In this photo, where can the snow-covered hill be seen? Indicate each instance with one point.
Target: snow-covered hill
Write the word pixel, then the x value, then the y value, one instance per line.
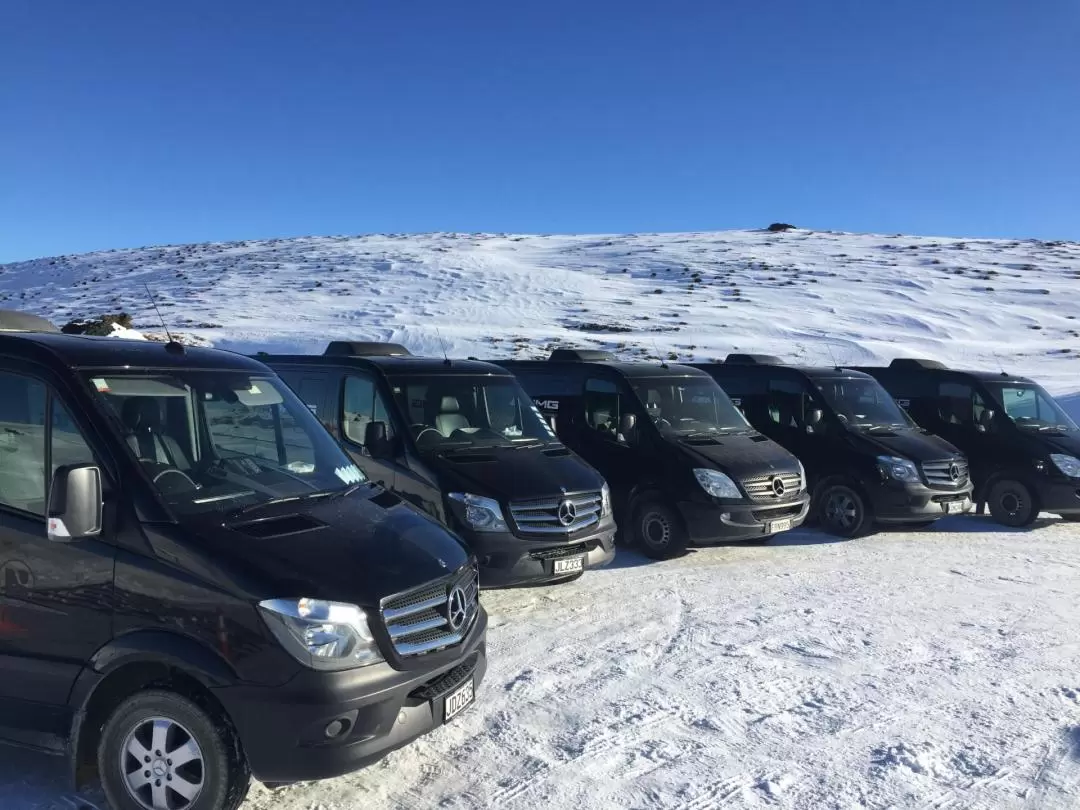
pixel 815 296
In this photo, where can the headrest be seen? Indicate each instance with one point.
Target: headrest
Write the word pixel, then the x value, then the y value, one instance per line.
pixel 141 413
pixel 449 405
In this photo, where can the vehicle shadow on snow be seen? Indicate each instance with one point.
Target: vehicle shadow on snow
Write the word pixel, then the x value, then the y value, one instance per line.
pixel 33 781
pixel 980 524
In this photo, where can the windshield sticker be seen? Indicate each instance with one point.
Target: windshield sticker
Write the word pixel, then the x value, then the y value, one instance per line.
pixel 350 474
pixel 101 385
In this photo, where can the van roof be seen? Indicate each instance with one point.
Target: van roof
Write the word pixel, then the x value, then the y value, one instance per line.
pixel 933 368
pixel 812 372
pixel 81 351
pixel 626 369
pixel 390 365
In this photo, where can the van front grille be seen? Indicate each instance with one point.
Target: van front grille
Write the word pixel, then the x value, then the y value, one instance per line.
pixel 949 473
pixel 563 514
pixel 433 616
pixel 770 488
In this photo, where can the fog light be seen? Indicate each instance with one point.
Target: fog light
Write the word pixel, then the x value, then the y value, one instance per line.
pixel 725 515
pixel 335 729
pixel 401 718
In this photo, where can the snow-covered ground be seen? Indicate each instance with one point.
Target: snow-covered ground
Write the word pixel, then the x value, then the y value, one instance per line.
pixel 935 669
pixel 805 295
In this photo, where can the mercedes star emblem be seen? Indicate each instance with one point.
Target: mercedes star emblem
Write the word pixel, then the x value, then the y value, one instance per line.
pixel 954 472
pixel 456 610
pixel 778 487
pixel 567 513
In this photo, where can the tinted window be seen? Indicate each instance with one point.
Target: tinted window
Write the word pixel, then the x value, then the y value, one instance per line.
pixel 687 406
pixel 786 402
pixel 22 443
pixel 363 405
pixel 959 403
pixel 548 383
pixel 68 444
pixel 862 402
pixel 602 406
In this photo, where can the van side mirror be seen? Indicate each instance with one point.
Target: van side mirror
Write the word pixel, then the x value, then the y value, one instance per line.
pixel 75 505
pixel 378 446
pixel 628 428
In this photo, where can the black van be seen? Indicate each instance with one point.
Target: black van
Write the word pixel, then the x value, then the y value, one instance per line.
pixel 683 464
pixel 460 440
pixel 197 586
pixel 1023 447
pixel 866 460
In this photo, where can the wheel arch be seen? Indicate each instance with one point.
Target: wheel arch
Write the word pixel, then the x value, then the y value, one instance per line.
pixel 132 663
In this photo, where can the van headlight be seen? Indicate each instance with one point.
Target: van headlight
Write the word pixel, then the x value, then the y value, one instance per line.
pixel 898 469
pixel 717 484
pixel 605 500
pixel 1069 465
pixel 320 634
pixel 802 476
pixel 477 512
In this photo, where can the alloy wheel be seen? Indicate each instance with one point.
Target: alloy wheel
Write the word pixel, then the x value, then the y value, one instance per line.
pixel 162 765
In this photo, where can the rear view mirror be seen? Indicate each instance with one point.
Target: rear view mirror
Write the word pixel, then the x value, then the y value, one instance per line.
pixel 376 442
pixel 75 506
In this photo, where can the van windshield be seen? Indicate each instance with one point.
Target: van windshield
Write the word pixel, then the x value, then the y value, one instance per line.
pixel 863 403
pixel 456 411
pixel 1030 407
pixel 685 406
pixel 221 441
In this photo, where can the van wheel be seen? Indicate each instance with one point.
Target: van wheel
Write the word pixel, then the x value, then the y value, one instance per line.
pixel 161 751
pixel 843 511
pixel 658 531
pixel 1011 504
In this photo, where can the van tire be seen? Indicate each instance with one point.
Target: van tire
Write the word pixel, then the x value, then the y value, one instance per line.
pixel 1012 504
pixel 218 768
pixel 842 510
pixel 658 530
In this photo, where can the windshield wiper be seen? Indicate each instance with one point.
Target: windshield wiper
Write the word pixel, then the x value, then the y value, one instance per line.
pixel 329 494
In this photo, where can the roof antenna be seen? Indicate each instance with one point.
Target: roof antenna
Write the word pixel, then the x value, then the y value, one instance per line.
pixel 442 343
pixel 832 356
pixel 659 356
pixel 172 346
pixel 1001 365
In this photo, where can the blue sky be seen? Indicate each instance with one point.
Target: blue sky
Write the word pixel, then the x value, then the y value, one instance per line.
pixel 128 122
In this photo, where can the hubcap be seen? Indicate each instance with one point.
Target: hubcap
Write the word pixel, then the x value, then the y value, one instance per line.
pixel 162 765
pixel 656 530
pixel 1012 503
pixel 841 510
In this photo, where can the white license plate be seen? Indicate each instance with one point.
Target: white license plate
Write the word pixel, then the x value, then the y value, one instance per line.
pixel 779 526
pixel 569 564
pixel 459 699
pixel 954 507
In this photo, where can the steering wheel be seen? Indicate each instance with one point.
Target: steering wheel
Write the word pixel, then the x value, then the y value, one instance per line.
pixel 174 471
pixel 842 418
pixel 420 429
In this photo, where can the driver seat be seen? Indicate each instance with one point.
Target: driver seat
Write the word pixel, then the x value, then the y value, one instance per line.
pixel 653 405
pixel 450 417
pixel 142 418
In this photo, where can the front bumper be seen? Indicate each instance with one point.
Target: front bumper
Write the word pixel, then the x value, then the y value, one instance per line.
pixel 725 523
pixel 506 559
pixel 283 729
pixel 1060 495
pixel 895 502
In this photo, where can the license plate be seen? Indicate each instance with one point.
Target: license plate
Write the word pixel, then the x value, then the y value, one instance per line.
pixel 459 699
pixel 954 507
pixel 569 565
pixel 779 526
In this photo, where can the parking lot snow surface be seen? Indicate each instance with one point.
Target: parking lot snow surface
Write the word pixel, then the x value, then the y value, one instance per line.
pixel 930 669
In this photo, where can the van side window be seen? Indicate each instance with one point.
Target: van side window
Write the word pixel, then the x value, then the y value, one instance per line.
pixel 22 443
pixel 960 404
pixel 363 405
pixel 68 444
pixel 786 402
pixel 602 406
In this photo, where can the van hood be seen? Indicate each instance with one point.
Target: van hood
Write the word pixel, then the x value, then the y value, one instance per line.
pixel 507 474
pixel 910 444
pixel 356 549
pixel 1067 444
pixel 740 456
